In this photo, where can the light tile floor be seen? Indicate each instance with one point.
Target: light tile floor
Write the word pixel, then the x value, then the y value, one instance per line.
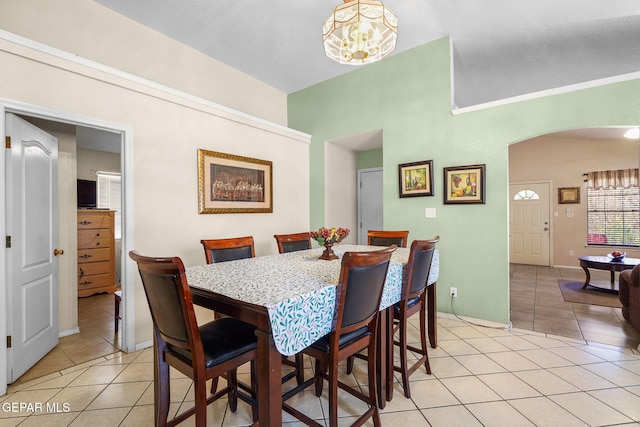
pixel 537 305
pixel 481 377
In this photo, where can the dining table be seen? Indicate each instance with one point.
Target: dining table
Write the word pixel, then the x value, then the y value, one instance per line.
pixel 290 298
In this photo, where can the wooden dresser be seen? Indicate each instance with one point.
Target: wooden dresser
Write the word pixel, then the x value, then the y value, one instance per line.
pixel 96 252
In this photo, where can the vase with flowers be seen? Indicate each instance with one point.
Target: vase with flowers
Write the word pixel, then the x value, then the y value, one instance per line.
pixel 328 237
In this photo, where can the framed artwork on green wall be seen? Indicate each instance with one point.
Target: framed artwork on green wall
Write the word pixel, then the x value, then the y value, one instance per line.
pixel 464 184
pixel 416 179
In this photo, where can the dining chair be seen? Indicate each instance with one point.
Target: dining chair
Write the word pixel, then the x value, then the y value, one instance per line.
pixel 358 294
pixel 293 242
pixel 220 250
pixel 199 352
pixel 387 238
pixel 414 300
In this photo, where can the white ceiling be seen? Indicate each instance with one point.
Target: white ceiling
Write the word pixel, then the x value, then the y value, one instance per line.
pixel 501 48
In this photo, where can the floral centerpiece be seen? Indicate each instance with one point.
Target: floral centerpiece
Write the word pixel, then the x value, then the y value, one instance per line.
pixel 328 237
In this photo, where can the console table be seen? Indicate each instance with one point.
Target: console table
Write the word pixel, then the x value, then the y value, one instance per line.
pixel 605 263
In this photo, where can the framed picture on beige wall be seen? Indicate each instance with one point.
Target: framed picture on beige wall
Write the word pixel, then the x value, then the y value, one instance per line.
pixel 568 195
pixel 233 184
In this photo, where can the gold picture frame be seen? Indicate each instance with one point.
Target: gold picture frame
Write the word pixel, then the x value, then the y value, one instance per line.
pixel 568 195
pixel 233 184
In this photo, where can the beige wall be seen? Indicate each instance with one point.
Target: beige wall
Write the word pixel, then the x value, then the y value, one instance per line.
pixel 92 161
pixel 90 30
pixel 167 130
pixel 563 161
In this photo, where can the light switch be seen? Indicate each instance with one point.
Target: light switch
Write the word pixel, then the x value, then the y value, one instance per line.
pixel 430 212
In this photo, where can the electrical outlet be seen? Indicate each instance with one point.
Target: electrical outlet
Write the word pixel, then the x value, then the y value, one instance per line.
pixel 453 292
pixel 570 253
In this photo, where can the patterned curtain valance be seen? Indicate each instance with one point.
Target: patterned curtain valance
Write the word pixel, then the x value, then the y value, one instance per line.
pixel 623 178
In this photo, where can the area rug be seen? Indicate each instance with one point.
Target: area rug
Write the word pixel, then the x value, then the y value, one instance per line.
pixel 572 292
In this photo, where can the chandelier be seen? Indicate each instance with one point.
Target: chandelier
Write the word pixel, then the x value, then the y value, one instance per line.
pixel 359 32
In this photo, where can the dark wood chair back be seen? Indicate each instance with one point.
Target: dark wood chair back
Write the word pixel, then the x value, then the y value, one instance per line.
pixel 387 238
pixel 178 342
pixel 221 250
pixel 362 279
pixel 293 242
pixel 355 320
pixel 418 267
pixel 169 299
pixel 360 286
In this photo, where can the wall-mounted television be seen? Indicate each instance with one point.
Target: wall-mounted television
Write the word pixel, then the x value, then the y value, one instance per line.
pixel 86 194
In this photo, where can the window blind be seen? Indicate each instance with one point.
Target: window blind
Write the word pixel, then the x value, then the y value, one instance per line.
pixel 613 216
pixel 109 197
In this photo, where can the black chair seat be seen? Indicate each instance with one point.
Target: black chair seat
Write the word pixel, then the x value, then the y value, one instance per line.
pixel 410 303
pixel 222 340
pixel 323 343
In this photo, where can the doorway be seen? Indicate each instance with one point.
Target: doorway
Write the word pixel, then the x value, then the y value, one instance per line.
pixel 370 202
pixel 123 141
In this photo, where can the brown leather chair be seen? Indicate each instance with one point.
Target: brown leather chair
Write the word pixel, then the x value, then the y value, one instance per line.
pixel 358 295
pixel 387 238
pixel 199 352
pixel 220 250
pixel 629 296
pixel 293 242
pixel 414 291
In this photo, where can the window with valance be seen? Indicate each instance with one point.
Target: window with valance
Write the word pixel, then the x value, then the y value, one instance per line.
pixel 613 208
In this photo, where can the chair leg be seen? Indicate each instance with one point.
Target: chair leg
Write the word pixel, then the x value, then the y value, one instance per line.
pixel 214 385
pixel 232 379
pixel 433 315
pixel 350 360
pixel 333 395
pixel 373 384
pixel 403 355
pixel 299 368
pixel 200 388
pixel 116 311
pixel 423 339
pixel 320 368
pixel 162 390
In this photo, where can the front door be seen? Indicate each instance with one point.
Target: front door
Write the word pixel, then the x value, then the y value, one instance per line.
pixel 32 268
pixel 529 227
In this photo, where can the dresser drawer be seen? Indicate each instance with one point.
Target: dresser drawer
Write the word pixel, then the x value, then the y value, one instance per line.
pixel 95 242
pixel 97 281
pixel 93 268
pixel 97 219
pixel 93 255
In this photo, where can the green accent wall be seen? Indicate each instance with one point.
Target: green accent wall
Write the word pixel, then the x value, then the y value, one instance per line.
pixel 369 159
pixel 407 96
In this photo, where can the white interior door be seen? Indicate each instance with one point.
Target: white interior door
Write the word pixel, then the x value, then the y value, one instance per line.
pixel 370 206
pixel 32 216
pixel 529 223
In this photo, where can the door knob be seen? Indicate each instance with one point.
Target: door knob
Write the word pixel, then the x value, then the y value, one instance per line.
pixel 57 252
pixel 546 229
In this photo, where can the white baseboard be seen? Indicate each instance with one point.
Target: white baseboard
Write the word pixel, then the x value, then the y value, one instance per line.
pixel 68 332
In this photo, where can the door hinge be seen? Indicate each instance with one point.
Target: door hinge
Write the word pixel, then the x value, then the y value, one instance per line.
pixel 8 242
pixel 7 142
pixel 8 341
